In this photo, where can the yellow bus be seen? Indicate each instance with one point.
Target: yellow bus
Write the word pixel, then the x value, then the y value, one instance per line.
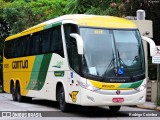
pixel 87 60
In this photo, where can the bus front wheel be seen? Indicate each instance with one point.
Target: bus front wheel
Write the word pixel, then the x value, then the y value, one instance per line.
pixel 114 108
pixel 64 107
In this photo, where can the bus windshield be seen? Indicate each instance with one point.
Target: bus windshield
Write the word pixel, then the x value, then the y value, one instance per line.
pixel 113 55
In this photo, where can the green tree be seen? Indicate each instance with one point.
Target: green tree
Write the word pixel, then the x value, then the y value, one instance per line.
pixel 21 15
pixel 3 34
pixel 99 7
pixel 4 29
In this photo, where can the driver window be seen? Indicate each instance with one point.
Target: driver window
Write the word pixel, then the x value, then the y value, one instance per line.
pixel 71 46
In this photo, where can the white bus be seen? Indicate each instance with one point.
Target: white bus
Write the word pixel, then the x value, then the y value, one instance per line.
pixel 86 60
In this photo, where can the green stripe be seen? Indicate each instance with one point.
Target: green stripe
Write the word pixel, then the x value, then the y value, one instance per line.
pixel 43 71
pixel 52 25
pixel 35 72
pixel 136 84
pixel 39 72
pixel 131 85
pixel 125 85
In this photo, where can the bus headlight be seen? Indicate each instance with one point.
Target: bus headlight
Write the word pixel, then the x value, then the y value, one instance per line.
pixel 89 87
pixel 141 88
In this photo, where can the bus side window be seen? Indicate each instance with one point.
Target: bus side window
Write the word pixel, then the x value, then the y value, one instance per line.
pixel 71 46
pixel 56 41
pixel 46 36
pixel 36 43
pixel 18 47
pixel 28 45
pixel 8 51
pixel 23 46
pixel 13 49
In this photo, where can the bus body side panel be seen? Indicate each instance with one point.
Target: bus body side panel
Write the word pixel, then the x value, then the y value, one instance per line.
pixel 58 72
pixel 17 69
pixel 55 72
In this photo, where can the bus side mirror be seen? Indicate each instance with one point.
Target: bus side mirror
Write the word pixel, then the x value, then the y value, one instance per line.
pixel 79 42
pixel 151 44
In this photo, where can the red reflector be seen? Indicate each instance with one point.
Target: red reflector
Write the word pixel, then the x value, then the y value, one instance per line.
pixel 118 100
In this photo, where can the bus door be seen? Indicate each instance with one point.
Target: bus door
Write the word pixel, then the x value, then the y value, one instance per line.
pixel 73 60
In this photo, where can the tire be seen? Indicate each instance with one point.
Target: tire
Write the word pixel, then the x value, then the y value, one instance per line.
pixel 13 92
pixel 20 98
pixel 64 107
pixel 114 108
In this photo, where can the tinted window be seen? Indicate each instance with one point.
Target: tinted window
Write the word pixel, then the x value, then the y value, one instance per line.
pixel 46 38
pixel 56 41
pixel 47 41
pixel 36 43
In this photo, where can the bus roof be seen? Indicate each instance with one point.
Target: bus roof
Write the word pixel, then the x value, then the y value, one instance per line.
pixel 81 20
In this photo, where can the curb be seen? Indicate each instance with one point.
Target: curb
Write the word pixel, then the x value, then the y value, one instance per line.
pixel 148 107
pixel 158 108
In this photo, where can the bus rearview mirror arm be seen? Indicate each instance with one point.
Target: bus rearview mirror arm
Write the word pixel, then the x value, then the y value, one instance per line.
pixel 79 42
pixel 151 44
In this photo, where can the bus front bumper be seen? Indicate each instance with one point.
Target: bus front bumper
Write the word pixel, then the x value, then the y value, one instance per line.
pixel 90 98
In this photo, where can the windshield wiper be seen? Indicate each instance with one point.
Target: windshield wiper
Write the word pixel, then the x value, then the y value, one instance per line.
pixel 112 63
pixel 109 66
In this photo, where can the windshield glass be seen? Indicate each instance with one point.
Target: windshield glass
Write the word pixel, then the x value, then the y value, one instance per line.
pixel 113 54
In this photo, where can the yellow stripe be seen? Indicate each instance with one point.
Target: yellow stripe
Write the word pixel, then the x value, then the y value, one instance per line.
pixel 101 21
pixel 106 22
pixel 107 86
pixel 28 31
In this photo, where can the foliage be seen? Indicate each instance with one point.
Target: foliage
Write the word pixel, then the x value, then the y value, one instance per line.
pixel 100 7
pixel 3 33
pixel 21 15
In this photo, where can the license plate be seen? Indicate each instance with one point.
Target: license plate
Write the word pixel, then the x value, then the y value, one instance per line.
pixel 118 100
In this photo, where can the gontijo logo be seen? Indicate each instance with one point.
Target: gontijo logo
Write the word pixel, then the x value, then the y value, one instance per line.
pixel 105 86
pixel 21 64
